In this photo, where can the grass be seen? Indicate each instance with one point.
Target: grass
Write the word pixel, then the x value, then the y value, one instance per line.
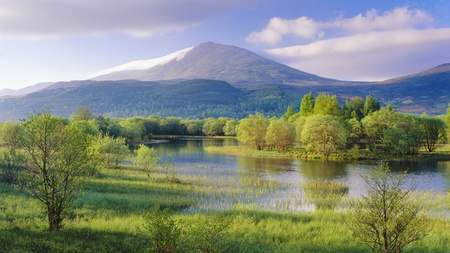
pixel 109 215
pixel 442 153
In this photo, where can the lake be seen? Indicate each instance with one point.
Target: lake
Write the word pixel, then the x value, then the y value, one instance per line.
pixel 284 177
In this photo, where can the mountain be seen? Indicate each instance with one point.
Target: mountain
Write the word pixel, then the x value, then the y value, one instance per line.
pixel 23 91
pixel 213 80
pixel 213 61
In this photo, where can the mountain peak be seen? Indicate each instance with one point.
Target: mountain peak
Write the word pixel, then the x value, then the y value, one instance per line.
pixel 210 60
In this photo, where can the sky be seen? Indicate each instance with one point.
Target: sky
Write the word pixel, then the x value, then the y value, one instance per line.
pixel 370 40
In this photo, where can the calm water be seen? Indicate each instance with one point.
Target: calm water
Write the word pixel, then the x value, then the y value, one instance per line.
pixel 291 173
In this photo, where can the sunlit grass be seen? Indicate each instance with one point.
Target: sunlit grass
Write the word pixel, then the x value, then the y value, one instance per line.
pixel 109 214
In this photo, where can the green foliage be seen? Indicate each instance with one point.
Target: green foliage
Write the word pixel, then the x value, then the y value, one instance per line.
pixel 252 130
pixel 354 109
pixel 323 134
pixel 386 219
pixel 109 152
pixel 327 105
pixel 377 122
pixel 433 130
pixel 82 113
pixel 147 158
pixel 57 161
pixel 210 235
pixel 280 134
pixel 370 105
pixel 307 105
pixel 447 121
pixel 230 127
pixel 289 112
pixel 11 158
pixel 214 127
pixel 163 230
pixel 396 141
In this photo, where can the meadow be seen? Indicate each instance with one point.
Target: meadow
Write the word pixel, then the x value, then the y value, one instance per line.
pixel 210 206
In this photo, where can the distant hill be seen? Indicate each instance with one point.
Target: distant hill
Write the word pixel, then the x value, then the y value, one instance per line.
pixel 213 80
pixel 23 91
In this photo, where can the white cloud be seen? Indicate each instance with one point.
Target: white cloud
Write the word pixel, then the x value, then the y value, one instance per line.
pixel 397 19
pixel 273 33
pixel 369 56
pixel 31 19
pixel 370 46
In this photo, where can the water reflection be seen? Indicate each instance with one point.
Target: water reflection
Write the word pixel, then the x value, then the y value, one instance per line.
pixel 423 175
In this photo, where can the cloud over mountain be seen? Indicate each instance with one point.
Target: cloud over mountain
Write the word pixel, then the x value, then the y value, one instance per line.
pixel 359 44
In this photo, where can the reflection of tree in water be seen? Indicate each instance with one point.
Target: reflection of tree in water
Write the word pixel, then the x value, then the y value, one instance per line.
pixel 322 169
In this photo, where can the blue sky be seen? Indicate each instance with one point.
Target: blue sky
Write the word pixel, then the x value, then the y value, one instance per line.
pixel 61 40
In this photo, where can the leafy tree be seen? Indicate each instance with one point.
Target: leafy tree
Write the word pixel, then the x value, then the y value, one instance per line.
pixel 327 105
pixel 307 105
pixel 109 152
pixel 447 121
pixel 230 127
pixel 11 158
pixel 147 158
pixel 289 112
pixel 370 105
pixel 323 134
pixel 114 130
pixel 214 127
pixel 354 109
pixel 386 219
pixel 395 140
pixel 280 134
pixel 252 130
pixel 432 129
pixel 355 131
pixel 193 127
pixel 56 165
pixel 377 122
pixel 82 113
pixel 299 124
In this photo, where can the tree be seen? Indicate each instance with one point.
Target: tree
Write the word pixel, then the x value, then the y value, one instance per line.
pixel 280 134
pixel 354 109
pixel 377 122
pixel 252 130
pixel 230 127
pixel 396 141
pixel 11 158
pixel 447 121
pixel 307 105
pixel 327 105
pixel 386 219
pixel 432 130
pixel 82 113
pixel 323 134
pixel 147 158
pixel 56 165
pixel 109 152
pixel 370 105
pixel 289 112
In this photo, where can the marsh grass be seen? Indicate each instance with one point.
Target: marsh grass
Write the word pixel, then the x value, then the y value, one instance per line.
pixel 109 215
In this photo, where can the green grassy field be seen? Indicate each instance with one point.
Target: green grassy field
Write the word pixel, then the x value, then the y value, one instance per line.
pixel 109 215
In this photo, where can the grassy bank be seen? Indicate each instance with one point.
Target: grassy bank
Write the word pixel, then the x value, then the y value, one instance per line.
pixel 441 154
pixel 110 213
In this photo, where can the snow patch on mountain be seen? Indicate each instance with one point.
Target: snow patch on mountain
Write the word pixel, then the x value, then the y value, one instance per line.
pixel 145 64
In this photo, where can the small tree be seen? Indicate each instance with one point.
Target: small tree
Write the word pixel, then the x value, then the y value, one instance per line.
pixel 307 105
pixel 386 220
pixel 163 230
pixel 280 134
pixel 147 158
pixel 323 134
pixel 57 163
pixel 109 152
pixel 252 130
